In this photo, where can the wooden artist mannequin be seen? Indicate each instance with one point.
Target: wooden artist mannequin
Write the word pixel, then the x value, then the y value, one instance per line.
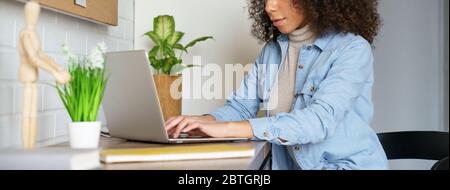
pixel 32 58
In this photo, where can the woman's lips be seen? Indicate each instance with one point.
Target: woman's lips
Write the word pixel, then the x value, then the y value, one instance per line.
pixel 278 22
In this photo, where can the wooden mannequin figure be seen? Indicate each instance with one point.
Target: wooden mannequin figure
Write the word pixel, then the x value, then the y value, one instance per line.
pixel 32 58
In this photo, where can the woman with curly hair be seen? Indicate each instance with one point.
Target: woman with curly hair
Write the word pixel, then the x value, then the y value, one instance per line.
pixel 313 78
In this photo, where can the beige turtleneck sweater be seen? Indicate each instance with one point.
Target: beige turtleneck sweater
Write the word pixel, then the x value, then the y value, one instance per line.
pixel 283 93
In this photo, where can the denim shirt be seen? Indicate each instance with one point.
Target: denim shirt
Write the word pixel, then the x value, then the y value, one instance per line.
pixel 329 125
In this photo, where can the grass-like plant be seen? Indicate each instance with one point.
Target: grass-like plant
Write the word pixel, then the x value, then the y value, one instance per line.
pixel 83 95
pixel 162 56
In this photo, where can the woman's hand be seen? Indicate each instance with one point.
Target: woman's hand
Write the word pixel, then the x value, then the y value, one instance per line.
pixel 183 121
pixel 203 129
pixel 207 127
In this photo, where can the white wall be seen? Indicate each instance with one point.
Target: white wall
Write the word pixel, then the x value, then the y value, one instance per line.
pixel 54 29
pixel 446 65
pixel 408 93
pixel 227 21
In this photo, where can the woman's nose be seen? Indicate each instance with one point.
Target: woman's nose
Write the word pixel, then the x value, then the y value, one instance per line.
pixel 271 5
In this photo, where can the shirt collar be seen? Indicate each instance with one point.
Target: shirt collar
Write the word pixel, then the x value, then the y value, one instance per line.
pixel 320 42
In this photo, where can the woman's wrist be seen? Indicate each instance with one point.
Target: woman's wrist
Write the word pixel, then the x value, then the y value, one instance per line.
pixel 209 117
pixel 241 129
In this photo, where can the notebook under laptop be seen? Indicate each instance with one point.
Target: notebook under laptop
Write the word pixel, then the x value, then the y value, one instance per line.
pixel 131 102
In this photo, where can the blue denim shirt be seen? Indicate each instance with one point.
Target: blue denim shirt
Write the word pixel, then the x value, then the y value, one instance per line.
pixel 329 126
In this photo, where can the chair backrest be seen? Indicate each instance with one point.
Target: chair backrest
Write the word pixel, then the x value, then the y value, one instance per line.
pixel 415 145
pixel 441 165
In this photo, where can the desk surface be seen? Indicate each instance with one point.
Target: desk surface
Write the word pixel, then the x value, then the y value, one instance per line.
pixel 262 150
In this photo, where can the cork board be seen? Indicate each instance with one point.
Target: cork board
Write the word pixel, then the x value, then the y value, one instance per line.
pixel 102 11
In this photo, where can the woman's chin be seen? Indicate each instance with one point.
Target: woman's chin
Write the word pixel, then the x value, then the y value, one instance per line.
pixel 284 30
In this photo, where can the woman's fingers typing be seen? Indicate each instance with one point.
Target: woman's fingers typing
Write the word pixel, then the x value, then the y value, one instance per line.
pixel 169 120
pixel 191 127
pixel 173 122
pixel 180 127
pixel 185 124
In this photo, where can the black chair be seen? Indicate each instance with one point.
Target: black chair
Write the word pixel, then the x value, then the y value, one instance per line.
pixel 417 145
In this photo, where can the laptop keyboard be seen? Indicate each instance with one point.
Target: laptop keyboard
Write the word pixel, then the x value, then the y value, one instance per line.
pixel 187 136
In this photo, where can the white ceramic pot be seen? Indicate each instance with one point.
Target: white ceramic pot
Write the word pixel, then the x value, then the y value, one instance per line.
pixel 84 135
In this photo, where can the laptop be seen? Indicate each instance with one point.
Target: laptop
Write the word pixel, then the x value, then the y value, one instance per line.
pixel 131 102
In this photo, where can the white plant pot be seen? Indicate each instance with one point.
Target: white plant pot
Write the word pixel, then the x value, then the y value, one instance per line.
pixel 84 135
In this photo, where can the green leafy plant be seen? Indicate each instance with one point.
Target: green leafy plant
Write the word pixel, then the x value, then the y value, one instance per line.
pixel 162 56
pixel 83 95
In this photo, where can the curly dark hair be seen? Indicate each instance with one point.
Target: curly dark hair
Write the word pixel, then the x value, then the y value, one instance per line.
pixel 359 17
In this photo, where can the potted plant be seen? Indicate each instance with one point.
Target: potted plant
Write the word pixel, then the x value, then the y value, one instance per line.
pixel 82 96
pixel 166 63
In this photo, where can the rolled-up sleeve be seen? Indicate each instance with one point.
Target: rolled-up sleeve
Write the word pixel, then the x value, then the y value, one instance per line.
pixel 350 73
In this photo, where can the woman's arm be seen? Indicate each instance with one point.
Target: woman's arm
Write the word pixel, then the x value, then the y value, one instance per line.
pixel 240 129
